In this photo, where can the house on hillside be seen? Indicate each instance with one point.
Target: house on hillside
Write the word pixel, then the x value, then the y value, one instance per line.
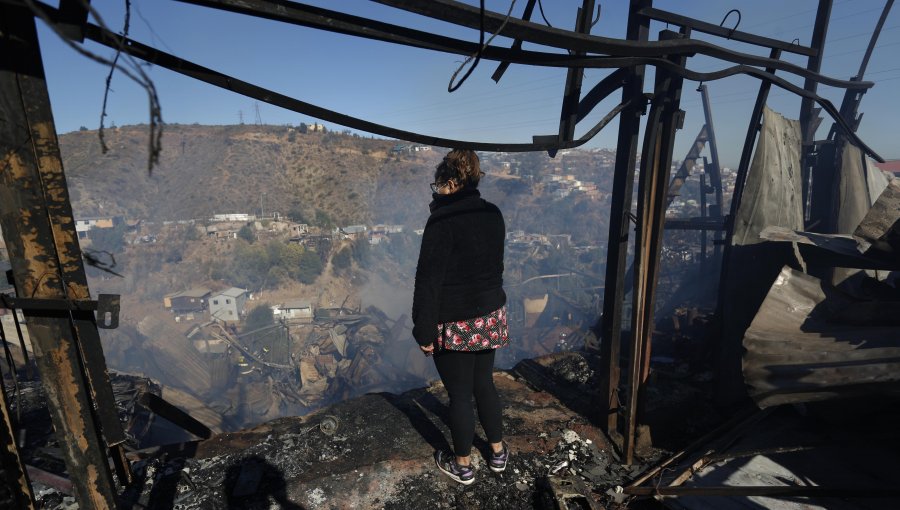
pixel 228 305
pixel 351 231
pixel 299 229
pixel 297 311
pixel 84 225
pixel 187 302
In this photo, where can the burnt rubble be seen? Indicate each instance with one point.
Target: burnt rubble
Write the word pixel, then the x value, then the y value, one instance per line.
pixel 372 451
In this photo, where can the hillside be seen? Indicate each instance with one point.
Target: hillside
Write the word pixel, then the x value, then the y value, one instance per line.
pixel 206 170
pixel 323 179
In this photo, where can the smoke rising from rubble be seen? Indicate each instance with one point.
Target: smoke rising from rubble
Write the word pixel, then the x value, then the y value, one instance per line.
pixel 345 249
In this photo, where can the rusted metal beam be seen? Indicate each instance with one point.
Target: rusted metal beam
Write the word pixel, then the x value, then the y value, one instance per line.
pixel 36 217
pixel 15 492
pixel 620 224
pixel 656 161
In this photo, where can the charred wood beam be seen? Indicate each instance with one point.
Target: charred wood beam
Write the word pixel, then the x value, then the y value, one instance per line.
pixel 712 29
pixel 175 415
pixel 36 218
pixel 656 160
pixel 620 224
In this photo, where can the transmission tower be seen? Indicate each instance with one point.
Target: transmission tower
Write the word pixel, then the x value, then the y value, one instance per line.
pixel 258 117
pixel 241 116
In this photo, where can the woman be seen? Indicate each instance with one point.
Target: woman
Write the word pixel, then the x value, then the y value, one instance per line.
pixel 459 311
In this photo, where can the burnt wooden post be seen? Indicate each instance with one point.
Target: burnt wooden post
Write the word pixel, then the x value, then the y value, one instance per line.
pixel 620 223
pixel 36 218
pixel 656 161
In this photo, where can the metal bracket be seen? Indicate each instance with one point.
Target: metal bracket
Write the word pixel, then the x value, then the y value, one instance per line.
pixel 107 306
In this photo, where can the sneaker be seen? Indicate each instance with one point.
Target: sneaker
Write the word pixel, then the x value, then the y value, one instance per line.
pixel 498 460
pixel 446 463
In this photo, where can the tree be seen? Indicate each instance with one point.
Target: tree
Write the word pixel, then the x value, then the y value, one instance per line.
pixel 246 233
pixel 108 239
pixel 310 267
pixel 341 261
pixel 259 317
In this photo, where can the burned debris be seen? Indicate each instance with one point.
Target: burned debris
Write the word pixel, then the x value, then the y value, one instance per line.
pixel 804 312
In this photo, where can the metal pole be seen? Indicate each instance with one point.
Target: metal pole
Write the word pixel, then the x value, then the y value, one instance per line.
pixel 43 247
pixel 620 223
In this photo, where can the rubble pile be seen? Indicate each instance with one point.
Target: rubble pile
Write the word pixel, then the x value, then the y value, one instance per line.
pixel 375 451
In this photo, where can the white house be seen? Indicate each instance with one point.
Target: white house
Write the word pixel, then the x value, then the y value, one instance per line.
pixel 228 305
pixel 297 310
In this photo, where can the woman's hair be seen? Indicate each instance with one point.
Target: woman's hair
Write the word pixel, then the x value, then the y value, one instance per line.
pixel 462 165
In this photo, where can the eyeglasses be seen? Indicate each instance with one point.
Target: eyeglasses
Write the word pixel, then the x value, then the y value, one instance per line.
pixel 437 186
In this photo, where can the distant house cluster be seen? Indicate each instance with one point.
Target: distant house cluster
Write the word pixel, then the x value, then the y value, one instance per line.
pixel 561 186
pixel 409 148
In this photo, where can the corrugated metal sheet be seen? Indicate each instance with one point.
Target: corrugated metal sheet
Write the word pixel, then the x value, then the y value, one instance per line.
pixel 771 197
pixel 803 345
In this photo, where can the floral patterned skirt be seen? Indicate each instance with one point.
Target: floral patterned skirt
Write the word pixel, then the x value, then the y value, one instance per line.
pixel 481 333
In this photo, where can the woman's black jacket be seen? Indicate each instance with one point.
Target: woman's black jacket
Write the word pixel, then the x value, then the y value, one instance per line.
pixel 460 271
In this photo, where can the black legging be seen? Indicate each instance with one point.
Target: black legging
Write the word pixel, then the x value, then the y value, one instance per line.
pixel 465 374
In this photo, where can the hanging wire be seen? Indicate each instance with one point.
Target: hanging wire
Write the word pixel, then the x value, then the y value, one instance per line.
pixel 541 9
pixel 735 25
pixel 481 46
pixel 134 71
pixel 112 69
pixel 597 17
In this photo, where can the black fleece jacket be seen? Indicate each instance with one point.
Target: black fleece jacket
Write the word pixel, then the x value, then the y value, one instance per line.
pixel 460 271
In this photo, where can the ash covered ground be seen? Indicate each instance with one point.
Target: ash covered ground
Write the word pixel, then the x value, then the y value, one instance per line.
pixel 375 451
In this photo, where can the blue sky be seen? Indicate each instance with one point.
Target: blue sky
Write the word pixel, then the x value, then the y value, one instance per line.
pixel 407 88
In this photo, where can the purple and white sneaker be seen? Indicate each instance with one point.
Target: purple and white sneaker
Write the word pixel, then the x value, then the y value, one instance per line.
pixel 447 463
pixel 497 461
